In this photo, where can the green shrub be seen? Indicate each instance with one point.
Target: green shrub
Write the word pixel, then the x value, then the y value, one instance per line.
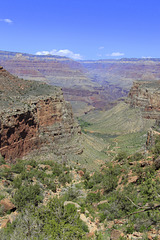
pixel 93 197
pixel 1 197
pixel 19 166
pixel 136 157
pixel 7 173
pixel 130 228
pixel 63 222
pixel 64 178
pixel 156 148
pixel 50 184
pixel 27 194
pixel 110 177
pixel 89 183
pixel 17 182
pixel 2 161
pixel 57 169
pixel 97 177
pixel 121 156
pixel 33 163
pixel 71 194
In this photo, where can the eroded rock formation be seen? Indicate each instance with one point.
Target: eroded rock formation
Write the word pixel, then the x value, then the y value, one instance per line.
pixel 29 122
pixel 146 95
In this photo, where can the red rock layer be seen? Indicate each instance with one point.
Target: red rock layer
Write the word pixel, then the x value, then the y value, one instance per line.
pixel 47 121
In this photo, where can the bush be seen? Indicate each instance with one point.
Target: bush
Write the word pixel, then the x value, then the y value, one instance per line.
pixel 19 166
pixel 110 179
pixel 7 174
pixel 71 194
pixel 27 194
pixel 93 197
pixel 57 169
pixel 17 182
pixel 2 161
pixel 64 178
pixel 63 222
pixel 50 184
pixel 136 157
pixel 33 163
pixel 121 156
pixel 156 148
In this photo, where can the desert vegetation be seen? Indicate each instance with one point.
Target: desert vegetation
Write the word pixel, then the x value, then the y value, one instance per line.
pixel 57 201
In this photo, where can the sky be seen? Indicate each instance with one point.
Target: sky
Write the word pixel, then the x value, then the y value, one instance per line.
pixel 81 29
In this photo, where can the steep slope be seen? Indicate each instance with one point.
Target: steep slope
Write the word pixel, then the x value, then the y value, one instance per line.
pixel 33 115
pixel 121 128
pixel 121 119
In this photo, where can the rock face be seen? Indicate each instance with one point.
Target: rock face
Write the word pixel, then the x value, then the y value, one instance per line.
pixel 146 95
pixel 42 120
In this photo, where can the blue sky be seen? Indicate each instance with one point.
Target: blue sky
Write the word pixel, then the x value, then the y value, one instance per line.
pixel 81 29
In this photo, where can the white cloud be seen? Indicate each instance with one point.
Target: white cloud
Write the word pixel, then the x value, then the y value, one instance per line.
pixel 100 48
pixel 62 52
pixel 146 57
pixel 6 20
pixel 115 54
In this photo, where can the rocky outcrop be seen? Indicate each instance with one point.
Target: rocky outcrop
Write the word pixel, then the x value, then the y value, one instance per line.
pixel 44 120
pixel 146 95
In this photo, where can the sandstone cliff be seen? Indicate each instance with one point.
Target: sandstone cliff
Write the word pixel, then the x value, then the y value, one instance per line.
pixel 33 116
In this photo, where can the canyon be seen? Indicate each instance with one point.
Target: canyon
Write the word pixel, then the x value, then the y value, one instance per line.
pixel 93 168
pixel 35 114
pixel 86 84
pixel 81 84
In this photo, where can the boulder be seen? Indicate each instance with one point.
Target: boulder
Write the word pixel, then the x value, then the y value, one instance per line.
pixel 157 163
pixel 116 234
pixel 7 205
pixel 70 202
pixel 4 223
pixel 12 217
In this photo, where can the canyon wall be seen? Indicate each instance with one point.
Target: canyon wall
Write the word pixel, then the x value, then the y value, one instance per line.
pixel 43 120
pixel 146 95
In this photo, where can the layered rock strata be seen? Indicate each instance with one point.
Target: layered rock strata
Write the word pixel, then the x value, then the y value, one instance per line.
pixel 44 120
pixel 146 95
pixel 82 88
